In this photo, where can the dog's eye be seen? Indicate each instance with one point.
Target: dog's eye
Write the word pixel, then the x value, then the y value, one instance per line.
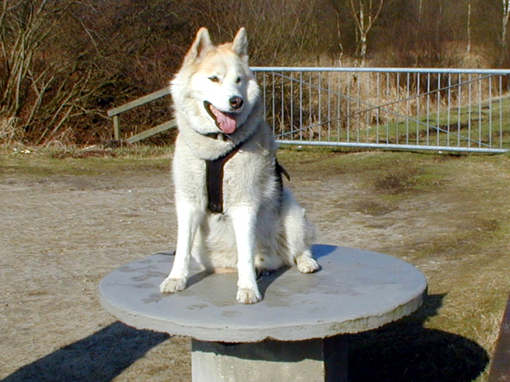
pixel 238 80
pixel 214 79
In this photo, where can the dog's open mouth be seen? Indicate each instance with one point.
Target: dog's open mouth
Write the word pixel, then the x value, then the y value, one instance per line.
pixel 226 122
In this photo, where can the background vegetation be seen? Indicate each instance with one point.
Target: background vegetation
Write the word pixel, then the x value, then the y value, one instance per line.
pixel 64 63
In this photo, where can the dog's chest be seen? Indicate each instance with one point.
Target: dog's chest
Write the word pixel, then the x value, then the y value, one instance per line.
pixel 234 179
pixel 242 177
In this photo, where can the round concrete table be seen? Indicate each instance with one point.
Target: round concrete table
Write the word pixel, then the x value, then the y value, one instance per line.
pixel 293 334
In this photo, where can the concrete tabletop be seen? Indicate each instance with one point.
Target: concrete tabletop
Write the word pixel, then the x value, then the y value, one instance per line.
pixel 355 291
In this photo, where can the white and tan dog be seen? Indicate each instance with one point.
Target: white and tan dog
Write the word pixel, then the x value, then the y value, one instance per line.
pixel 232 210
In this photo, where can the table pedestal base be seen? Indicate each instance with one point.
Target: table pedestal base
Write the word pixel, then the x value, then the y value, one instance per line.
pixel 318 360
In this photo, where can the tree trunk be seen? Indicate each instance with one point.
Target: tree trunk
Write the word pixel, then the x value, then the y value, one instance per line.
pixel 468 47
pixel 504 27
pixel 363 49
pixel 364 19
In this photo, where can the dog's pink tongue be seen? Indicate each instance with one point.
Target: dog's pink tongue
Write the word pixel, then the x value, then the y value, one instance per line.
pixel 225 121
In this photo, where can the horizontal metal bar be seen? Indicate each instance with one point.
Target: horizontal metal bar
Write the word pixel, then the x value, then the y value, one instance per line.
pixel 153 131
pixel 380 70
pixel 166 91
pixel 392 146
pixel 139 101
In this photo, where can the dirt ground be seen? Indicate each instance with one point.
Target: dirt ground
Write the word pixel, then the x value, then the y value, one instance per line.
pixel 65 224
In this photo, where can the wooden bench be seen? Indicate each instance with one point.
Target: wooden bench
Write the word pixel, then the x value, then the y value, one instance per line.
pixel 500 369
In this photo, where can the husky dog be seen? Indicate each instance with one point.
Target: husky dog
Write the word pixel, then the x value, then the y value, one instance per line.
pixel 232 210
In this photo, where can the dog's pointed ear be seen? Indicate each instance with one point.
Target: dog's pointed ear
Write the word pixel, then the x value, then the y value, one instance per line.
pixel 240 43
pixel 201 44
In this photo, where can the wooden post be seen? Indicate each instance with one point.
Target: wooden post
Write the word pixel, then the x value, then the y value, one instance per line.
pixel 500 368
pixel 116 128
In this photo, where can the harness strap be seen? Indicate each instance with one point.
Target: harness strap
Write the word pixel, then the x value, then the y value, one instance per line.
pixel 279 170
pixel 214 180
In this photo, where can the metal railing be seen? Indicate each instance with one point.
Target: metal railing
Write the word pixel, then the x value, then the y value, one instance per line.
pixel 389 108
pixel 392 108
pixel 115 113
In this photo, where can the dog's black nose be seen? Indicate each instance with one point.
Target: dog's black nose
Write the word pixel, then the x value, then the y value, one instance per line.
pixel 236 102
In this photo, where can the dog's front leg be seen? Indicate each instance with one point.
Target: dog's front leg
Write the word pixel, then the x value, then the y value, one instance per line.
pixel 188 220
pixel 244 221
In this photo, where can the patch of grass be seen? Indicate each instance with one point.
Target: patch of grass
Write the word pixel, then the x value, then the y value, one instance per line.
pixel 396 181
pixel 374 208
pixel 82 161
pixel 477 126
pixel 464 242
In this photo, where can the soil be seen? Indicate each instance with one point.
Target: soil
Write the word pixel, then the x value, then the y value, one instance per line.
pixel 61 232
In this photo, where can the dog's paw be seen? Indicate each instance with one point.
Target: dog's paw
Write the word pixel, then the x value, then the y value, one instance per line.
pixel 172 285
pixel 248 296
pixel 306 264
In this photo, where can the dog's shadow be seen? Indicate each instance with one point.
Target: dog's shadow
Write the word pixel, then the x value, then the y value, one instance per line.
pixel 321 250
pixel 265 279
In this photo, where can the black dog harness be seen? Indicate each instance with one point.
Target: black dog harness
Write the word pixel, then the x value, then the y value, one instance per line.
pixel 214 179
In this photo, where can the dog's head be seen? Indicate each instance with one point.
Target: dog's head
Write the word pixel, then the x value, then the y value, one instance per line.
pixel 215 87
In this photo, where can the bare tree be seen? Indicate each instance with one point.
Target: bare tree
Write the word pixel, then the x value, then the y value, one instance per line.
pixel 365 13
pixel 504 27
pixel 468 27
pixel 439 20
pixel 38 95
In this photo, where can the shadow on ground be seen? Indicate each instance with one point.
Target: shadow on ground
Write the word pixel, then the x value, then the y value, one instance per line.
pixel 406 351
pixel 99 357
